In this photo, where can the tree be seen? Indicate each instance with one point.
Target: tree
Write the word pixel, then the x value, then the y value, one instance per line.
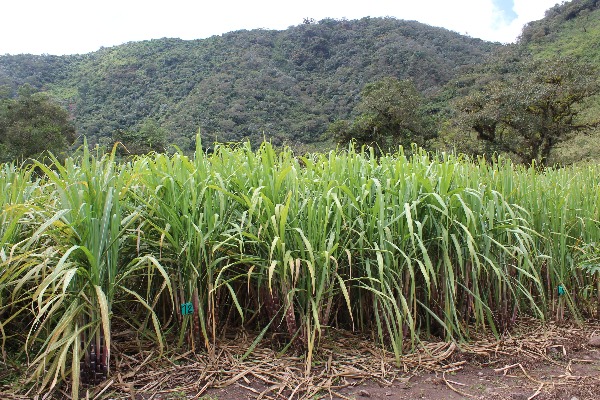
pixel 390 113
pixel 530 111
pixel 148 138
pixel 32 124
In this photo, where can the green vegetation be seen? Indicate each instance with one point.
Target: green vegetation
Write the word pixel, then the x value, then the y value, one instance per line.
pixel 392 114
pixel 317 83
pixel 263 240
pixel 534 100
pixel 533 109
pixel 32 124
pixel 399 244
pixel 569 29
pixel 286 85
pixel 150 137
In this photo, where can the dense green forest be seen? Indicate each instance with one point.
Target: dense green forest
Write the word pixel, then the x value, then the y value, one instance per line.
pixel 308 86
pixel 571 29
pixel 284 85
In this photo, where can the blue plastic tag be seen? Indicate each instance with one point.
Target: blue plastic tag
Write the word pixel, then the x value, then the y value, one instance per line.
pixel 187 308
pixel 561 290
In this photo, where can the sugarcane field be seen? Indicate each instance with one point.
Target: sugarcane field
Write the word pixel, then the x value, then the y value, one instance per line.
pixel 258 273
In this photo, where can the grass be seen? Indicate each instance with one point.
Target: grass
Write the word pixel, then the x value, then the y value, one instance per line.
pixel 400 247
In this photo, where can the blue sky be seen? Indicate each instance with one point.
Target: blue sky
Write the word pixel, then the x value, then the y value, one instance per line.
pixel 507 8
pixel 81 26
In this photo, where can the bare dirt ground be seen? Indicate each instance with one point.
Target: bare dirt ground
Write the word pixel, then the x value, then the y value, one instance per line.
pixel 555 361
pixel 538 363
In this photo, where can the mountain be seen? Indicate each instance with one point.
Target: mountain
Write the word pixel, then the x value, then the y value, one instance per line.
pixel 570 29
pixel 289 86
pixel 286 85
pixel 528 75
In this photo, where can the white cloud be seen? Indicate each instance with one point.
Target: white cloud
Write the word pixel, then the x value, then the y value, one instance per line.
pixel 527 11
pixel 77 26
pixel 532 10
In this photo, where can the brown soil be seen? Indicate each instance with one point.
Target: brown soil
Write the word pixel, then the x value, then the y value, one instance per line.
pixel 563 367
pixel 532 362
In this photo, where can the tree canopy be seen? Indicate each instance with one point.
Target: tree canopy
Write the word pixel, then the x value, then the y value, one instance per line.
pixel 148 138
pixel 32 124
pixel 285 85
pixel 391 113
pixel 532 109
pixel 290 86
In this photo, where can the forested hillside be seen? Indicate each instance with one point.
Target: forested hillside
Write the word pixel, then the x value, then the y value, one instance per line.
pixel 571 29
pixel 536 99
pixel 381 81
pixel 284 85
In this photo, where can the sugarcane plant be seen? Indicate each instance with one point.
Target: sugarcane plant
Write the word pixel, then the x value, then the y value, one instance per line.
pixel 186 212
pixel 186 248
pixel 18 252
pixel 74 301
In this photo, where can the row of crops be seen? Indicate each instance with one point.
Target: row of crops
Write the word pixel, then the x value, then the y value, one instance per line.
pixel 181 248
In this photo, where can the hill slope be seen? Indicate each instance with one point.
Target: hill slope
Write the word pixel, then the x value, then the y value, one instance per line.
pixel 570 29
pixel 286 85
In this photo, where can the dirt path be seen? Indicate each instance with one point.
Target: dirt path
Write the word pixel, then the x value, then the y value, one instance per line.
pixel 552 362
pixel 571 377
pixel 541 381
pixel 532 362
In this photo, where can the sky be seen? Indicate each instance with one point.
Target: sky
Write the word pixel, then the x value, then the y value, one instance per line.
pixel 81 26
